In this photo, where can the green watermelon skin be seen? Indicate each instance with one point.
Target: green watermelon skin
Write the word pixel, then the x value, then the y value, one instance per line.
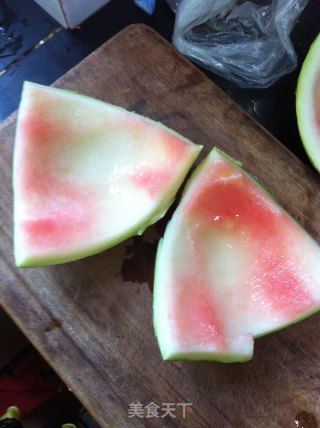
pixel 308 103
pixel 232 266
pixel 88 175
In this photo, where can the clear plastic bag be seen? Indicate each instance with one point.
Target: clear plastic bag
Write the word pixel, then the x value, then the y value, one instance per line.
pixel 245 42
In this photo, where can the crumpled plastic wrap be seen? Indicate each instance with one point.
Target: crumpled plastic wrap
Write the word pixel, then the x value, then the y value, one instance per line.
pixel 245 42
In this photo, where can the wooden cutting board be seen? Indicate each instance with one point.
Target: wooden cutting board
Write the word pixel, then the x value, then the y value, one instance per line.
pixel 92 319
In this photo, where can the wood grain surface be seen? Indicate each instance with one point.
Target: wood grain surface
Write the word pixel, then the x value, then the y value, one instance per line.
pixel 92 319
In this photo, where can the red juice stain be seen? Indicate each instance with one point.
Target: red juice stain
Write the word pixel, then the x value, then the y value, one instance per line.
pixel 138 265
pixel 305 419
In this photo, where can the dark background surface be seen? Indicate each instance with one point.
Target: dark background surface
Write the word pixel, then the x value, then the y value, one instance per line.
pixel 35 47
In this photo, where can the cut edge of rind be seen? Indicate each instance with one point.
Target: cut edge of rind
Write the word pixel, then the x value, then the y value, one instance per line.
pixel 208 356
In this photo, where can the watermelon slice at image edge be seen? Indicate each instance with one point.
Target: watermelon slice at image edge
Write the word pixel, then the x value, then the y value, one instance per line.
pixel 232 266
pixel 87 175
pixel 308 103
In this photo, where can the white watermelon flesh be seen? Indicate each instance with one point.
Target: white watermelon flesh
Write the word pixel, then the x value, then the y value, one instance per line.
pixel 232 266
pixel 87 175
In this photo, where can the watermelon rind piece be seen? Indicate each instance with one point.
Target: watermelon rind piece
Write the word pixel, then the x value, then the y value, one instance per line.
pixel 308 103
pixel 170 351
pixel 221 283
pixel 78 160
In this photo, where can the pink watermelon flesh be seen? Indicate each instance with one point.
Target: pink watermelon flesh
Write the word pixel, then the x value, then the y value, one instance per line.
pixel 87 175
pixel 232 266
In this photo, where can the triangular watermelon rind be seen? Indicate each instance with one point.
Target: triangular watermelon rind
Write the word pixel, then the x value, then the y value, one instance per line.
pixel 88 175
pixel 232 266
